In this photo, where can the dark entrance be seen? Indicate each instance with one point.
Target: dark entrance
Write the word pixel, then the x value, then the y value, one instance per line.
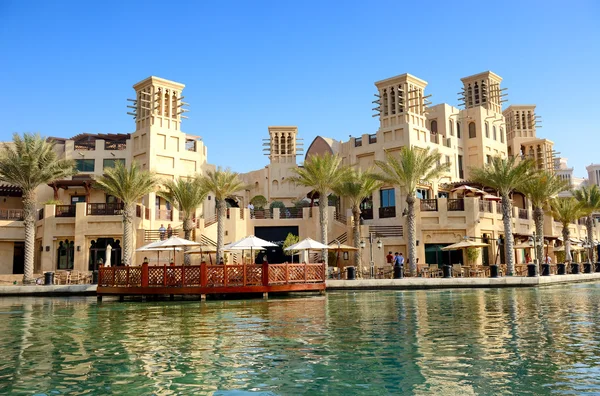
pixel 435 255
pixel 19 258
pixel 275 255
pixel 98 252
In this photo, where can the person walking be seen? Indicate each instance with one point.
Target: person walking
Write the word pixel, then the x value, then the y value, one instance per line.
pixel 162 230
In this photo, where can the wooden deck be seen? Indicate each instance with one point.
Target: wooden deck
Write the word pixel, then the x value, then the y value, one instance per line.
pixel 210 279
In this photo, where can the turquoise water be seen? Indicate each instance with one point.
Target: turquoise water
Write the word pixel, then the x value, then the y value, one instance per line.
pixel 501 341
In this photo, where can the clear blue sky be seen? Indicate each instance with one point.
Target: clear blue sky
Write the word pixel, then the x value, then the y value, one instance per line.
pixel 67 67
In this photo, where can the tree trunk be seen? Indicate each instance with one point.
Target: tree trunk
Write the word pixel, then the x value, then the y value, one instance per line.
pixel 538 219
pixel 29 222
pixel 323 221
pixel 356 234
pixel 128 211
pixel 508 235
pixel 221 209
pixel 590 235
pixel 188 225
pixel 412 234
pixel 566 233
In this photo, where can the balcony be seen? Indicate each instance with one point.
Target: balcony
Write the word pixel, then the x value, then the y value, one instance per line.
pixel 290 213
pixel 11 214
pixel 104 209
pixel 115 145
pixel 164 214
pixel 485 206
pixel 429 205
pixel 523 214
pixel 456 205
pixel 65 211
pixel 367 214
pixel 387 212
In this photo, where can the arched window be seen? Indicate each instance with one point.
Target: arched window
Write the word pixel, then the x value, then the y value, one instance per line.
pixel 487 130
pixel 434 128
pixel 275 185
pixel 494 132
pixel 472 130
pixel 458 129
pixel 451 127
pixel 501 135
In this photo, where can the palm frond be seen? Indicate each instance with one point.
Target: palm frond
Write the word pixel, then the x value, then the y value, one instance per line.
pixel 30 161
pixel 127 184
pixel 542 187
pixel 322 173
pixel 566 210
pixel 504 174
pixel 186 195
pixel 222 182
pixel 589 197
pixel 411 167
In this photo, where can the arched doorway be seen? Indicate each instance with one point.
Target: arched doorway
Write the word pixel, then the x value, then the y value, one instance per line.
pixel 98 252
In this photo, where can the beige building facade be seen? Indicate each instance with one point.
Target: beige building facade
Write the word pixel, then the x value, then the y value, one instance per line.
pixel 76 222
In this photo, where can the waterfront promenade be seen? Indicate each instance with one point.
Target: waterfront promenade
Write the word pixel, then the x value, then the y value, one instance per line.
pixel 358 284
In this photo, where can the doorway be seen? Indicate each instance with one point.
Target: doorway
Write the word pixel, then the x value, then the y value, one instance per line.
pixel 276 235
pixel 98 252
pixel 19 258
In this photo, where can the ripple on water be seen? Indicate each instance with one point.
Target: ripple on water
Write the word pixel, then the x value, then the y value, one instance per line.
pixel 509 341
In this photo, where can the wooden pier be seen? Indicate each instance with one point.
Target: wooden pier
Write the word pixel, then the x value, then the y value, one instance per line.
pixel 210 279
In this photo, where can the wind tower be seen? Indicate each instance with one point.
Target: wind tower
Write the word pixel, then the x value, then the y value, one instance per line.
pixel 159 144
pixel 480 120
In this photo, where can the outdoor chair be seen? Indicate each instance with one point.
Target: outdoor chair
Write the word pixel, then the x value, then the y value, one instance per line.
pixel 62 278
pixel 434 271
pixel 457 270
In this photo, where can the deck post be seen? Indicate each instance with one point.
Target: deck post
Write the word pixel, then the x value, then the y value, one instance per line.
pixel 99 298
pixel 122 298
pixel 145 275
pixel 202 297
pixel 265 274
pixel 265 295
pixel 165 275
pixel 203 281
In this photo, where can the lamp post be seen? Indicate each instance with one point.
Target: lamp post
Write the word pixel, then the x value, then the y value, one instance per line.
pixel 379 246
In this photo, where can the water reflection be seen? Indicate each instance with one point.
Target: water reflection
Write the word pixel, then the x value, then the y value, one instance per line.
pixel 501 341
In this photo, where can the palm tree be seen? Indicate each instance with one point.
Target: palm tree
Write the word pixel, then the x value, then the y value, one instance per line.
pixel 589 197
pixel 359 186
pixel 186 195
pixel 566 211
pixel 129 185
pixel 412 166
pixel 223 183
pixel 322 173
pixel 540 189
pixel 29 162
pixel 505 175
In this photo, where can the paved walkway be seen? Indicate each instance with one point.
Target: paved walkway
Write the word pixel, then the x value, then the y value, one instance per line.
pixel 441 283
pixel 358 284
pixel 51 290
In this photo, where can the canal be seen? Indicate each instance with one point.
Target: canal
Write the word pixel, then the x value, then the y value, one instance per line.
pixel 496 341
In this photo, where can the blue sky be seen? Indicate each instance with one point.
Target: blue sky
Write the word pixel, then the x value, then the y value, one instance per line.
pixel 67 67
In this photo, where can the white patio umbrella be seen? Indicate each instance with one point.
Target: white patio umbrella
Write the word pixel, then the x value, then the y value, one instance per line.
pixel 464 244
pixel 308 244
pixel 108 254
pixel 157 250
pixel 175 242
pixel 250 242
pixel 468 189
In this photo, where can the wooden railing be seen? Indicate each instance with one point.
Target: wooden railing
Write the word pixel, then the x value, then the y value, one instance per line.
pixel 485 206
pixel 387 212
pixel 456 205
pixel 338 216
pixel 155 235
pixel 164 214
pixel 210 221
pixel 523 214
pixel 290 213
pixel 429 205
pixel 65 211
pixel 262 214
pixel 13 214
pixel 104 209
pixel 210 276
